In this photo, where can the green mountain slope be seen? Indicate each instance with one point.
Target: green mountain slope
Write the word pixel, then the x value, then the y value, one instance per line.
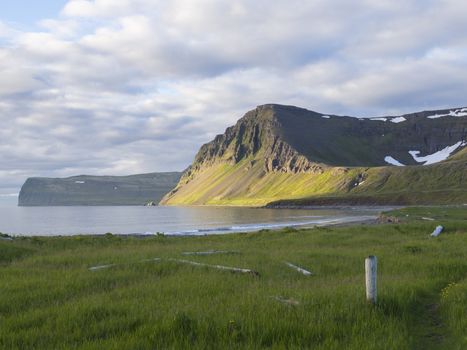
pixel 97 190
pixel 281 155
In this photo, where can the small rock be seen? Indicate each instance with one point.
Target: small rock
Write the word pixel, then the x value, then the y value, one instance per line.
pixel 437 231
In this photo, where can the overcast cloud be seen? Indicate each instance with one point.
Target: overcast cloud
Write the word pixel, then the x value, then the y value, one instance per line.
pixel 130 86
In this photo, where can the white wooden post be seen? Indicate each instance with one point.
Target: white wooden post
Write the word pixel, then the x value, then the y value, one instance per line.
pixel 370 278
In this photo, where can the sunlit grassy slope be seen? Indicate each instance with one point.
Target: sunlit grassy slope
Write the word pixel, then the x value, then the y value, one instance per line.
pixel 241 184
pixel 51 300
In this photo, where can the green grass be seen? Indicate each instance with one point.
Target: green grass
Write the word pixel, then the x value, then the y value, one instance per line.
pixel 50 300
pixel 239 184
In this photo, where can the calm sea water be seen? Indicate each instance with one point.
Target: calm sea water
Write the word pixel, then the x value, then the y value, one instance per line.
pixel 170 220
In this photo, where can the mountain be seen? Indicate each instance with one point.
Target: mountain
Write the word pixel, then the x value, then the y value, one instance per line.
pixel 97 190
pixel 285 155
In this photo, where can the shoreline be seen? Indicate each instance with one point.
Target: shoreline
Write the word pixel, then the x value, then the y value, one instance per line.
pixel 367 220
pixel 337 207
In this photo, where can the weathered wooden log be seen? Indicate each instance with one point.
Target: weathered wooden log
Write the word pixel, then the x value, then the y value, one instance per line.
pixel 100 267
pixel 299 269
pixel 210 252
pixel 286 301
pixel 219 267
pixel 149 260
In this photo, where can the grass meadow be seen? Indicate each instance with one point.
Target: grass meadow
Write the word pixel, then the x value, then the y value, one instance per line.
pixel 49 299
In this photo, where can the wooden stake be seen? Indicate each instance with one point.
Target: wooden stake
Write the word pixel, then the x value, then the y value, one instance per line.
pixel 370 278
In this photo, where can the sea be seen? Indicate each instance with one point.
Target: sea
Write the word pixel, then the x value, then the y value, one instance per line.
pixel 140 220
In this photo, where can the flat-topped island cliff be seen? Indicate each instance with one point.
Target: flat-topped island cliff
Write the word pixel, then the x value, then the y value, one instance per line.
pixel 97 190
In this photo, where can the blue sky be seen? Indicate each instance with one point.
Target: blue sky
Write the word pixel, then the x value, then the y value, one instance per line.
pixel 132 86
pixel 26 13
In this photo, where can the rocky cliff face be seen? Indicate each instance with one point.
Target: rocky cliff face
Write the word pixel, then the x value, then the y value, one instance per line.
pixel 97 190
pixel 276 139
pixel 295 140
pixel 255 131
pixel 258 131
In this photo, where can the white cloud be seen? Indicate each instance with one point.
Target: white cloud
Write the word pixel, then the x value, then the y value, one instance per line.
pixel 80 8
pixel 101 8
pixel 6 31
pixel 120 87
pixel 61 28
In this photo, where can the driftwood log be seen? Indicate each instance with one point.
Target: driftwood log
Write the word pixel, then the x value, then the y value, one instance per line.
pixel 219 267
pixel 211 252
pixel 299 269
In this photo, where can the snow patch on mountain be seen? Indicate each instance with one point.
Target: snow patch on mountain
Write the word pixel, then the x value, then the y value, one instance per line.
pixel 456 113
pixel 392 161
pixel 437 156
pixel 398 120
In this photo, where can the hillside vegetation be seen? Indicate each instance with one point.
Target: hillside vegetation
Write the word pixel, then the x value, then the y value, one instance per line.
pixel 279 155
pixel 224 184
pixel 52 300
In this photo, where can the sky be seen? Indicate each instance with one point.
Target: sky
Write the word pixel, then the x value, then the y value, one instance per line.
pixel 122 87
pixel 26 13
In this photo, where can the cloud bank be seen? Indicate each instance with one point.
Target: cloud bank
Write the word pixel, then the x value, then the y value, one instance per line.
pixel 131 86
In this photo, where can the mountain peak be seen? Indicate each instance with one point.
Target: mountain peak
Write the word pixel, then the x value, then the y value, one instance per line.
pixel 280 108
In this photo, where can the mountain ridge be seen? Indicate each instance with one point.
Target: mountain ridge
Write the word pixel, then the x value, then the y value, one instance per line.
pixel 317 148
